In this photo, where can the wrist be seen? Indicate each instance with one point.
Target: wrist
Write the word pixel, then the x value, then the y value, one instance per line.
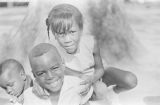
pixel 80 75
pixel 95 78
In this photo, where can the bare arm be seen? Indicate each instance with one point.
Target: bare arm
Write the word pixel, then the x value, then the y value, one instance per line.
pixel 99 70
pixel 69 71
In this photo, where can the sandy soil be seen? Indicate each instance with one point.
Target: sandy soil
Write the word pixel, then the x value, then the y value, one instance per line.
pixel 145 22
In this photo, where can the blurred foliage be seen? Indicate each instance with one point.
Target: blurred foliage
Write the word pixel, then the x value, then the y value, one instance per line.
pixel 111 28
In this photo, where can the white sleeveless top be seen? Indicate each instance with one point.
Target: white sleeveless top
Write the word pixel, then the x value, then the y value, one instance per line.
pixel 83 59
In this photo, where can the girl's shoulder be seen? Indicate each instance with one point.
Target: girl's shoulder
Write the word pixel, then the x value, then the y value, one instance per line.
pixel 87 37
pixel 88 40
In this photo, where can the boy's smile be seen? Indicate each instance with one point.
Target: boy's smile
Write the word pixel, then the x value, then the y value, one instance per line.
pixel 48 71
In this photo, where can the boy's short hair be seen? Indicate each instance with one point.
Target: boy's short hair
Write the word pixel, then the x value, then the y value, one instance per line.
pixel 41 49
pixel 61 18
pixel 11 63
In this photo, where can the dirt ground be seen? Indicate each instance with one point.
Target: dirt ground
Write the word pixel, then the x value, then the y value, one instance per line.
pixel 145 22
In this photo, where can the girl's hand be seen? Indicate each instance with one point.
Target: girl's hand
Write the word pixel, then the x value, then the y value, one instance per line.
pixel 87 83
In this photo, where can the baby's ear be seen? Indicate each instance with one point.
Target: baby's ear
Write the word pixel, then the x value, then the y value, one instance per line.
pixel 33 74
pixel 23 75
pixel 63 65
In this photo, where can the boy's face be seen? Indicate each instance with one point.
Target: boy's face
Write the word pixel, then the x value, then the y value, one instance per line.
pixel 48 71
pixel 70 40
pixel 13 82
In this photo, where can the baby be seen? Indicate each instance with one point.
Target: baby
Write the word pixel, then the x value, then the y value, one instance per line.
pixel 14 80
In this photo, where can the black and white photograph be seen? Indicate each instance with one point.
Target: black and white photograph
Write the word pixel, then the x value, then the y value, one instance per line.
pixel 79 52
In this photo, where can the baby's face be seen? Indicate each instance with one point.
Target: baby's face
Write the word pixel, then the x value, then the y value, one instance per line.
pixel 70 40
pixel 48 71
pixel 12 82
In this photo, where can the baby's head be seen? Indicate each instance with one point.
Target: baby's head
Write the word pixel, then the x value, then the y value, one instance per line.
pixel 47 67
pixel 66 23
pixel 12 77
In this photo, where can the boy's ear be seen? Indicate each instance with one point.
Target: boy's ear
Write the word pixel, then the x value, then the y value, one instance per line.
pixel 23 75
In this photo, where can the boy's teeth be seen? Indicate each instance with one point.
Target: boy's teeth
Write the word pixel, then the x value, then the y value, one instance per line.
pixel 55 83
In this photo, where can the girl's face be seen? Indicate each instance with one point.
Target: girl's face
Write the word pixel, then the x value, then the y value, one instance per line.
pixel 70 40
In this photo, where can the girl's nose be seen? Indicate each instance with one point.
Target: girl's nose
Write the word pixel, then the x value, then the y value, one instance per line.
pixel 67 38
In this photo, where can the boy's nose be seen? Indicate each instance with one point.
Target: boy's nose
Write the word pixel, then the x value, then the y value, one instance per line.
pixel 50 75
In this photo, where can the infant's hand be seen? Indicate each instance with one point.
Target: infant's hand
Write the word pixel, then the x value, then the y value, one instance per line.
pixel 87 82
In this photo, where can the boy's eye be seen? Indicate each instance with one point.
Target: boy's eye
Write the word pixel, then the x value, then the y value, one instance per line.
pixel 55 68
pixel 52 68
pixel 40 74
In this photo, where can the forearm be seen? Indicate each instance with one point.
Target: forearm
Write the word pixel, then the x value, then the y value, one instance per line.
pixel 69 71
pixel 99 69
pixel 98 74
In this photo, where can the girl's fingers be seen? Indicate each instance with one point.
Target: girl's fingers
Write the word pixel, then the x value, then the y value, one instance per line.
pixel 84 83
pixel 85 91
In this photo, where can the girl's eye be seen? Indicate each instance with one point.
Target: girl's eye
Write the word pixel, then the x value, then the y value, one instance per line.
pixel 60 35
pixel 72 32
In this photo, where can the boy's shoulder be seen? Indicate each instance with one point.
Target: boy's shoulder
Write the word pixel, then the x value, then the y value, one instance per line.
pixel 31 99
pixel 29 96
pixel 28 92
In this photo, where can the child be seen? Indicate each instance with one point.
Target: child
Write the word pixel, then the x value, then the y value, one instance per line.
pixel 14 80
pixel 81 52
pixel 82 55
pixel 47 67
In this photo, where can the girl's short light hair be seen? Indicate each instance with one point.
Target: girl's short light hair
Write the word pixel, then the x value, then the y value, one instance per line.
pixel 62 16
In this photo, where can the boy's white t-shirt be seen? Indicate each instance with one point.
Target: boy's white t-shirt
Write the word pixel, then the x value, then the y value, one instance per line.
pixel 69 94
